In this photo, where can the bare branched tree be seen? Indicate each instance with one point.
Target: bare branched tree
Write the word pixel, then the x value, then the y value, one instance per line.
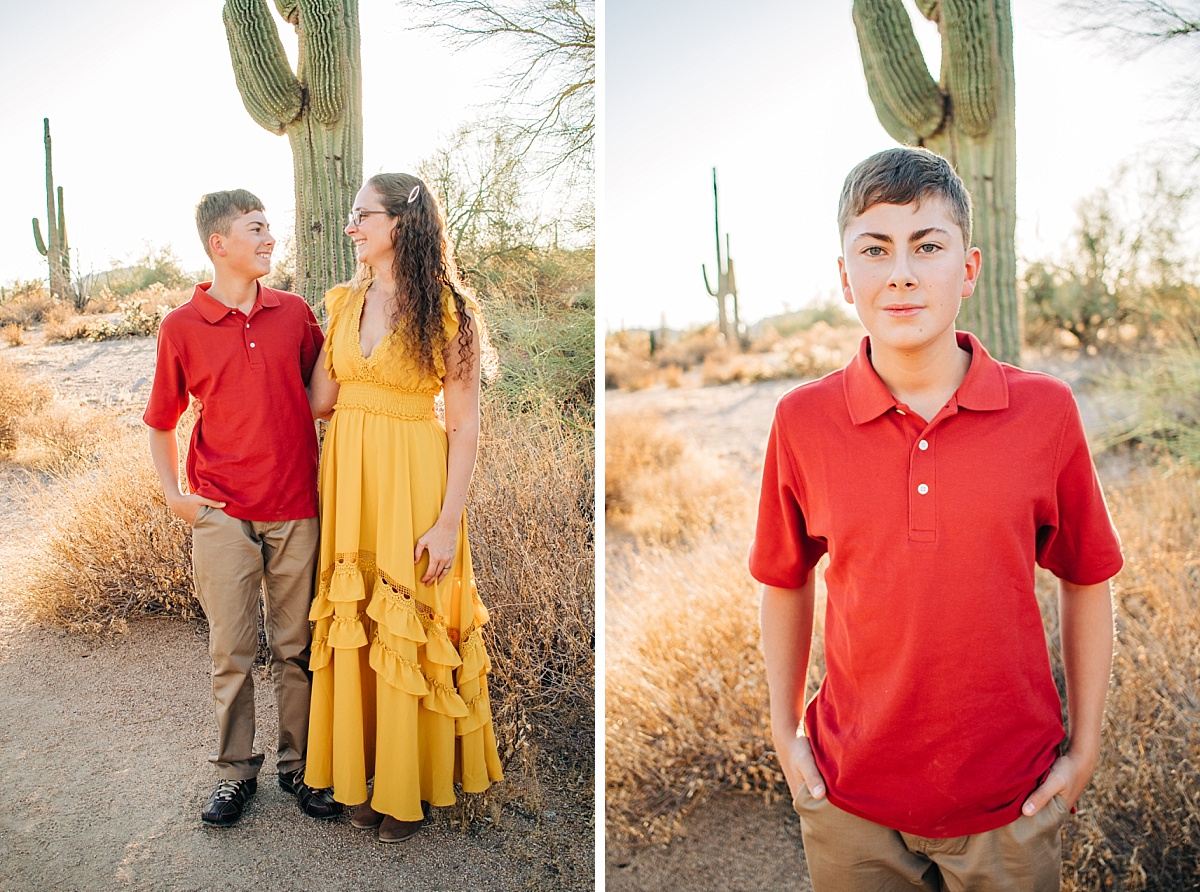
pixel 550 86
pixel 1135 27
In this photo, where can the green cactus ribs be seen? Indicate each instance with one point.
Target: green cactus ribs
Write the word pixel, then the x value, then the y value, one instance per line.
pixel 54 246
pixel 318 107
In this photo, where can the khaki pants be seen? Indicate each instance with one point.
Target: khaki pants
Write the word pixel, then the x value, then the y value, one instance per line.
pixel 846 853
pixel 237 562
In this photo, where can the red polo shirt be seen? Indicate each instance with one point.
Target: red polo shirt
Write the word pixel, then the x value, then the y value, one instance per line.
pixel 938 714
pixel 255 446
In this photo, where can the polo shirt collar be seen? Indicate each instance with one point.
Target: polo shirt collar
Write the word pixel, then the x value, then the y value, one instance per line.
pixel 214 311
pixel 985 387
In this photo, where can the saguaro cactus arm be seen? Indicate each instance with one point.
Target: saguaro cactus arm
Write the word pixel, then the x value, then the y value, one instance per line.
pixel 62 224
pixel 323 63
pixel 37 237
pixel 970 72
pixel 908 101
pixel 270 91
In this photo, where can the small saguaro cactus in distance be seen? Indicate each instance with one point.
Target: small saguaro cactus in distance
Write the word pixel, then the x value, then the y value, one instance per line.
pixel 319 107
pixel 54 247
pixel 969 117
pixel 726 284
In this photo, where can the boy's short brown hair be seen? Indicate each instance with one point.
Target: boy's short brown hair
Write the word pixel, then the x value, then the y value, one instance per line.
pixel 217 211
pixel 904 175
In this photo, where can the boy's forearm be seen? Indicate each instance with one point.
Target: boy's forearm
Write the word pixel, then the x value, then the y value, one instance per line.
pixel 1086 624
pixel 164 453
pixel 786 622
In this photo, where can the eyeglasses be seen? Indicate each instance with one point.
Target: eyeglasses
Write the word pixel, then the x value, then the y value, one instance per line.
pixel 356 217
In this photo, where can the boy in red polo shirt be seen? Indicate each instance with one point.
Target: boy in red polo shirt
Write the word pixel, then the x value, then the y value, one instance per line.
pixel 246 353
pixel 933 755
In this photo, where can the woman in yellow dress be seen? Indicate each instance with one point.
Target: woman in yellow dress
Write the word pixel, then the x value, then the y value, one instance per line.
pixel 399 668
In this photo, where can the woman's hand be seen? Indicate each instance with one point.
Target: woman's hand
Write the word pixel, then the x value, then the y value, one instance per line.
pixel 440 542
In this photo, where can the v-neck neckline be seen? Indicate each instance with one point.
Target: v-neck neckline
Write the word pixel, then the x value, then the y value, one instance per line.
pixel 359 311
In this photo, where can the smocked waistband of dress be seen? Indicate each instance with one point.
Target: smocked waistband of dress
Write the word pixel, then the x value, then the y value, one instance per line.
pixel 380 399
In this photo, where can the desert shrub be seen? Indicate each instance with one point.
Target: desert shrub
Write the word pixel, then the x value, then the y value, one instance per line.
pixel 686 693
pixel 1128 276
pixel 60 438
pixel 111 548
pixel 659 489
pixel 140 314
pixel 25 303
pixel 13 334
pixel 531 522
pixel 548 357
pixel 1138 826
pixel 62 324
pixel 158 265
pixel 20 397
pixel 1165 391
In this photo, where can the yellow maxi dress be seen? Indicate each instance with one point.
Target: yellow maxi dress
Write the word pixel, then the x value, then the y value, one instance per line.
pixel 399 668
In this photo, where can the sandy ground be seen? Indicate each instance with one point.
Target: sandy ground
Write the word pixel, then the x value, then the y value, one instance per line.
pixel 103 746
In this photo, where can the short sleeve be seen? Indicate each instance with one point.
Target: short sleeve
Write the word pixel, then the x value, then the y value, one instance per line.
pixel 169 392
pixel 310 345
pixel 450 320
pixel 336 301
pixel 782 553
pixel 1078 543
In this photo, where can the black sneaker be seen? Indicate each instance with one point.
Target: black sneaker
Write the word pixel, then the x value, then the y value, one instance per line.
pixel 228 801
pixel 314 803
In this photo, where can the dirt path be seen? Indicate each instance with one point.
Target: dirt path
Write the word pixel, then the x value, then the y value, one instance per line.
pixel 103 747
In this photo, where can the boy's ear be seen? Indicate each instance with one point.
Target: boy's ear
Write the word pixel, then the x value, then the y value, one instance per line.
pixel 974 263
pixel 216 244
pixel 847 294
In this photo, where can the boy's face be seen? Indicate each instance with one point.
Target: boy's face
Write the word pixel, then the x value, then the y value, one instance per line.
pixel 905 270
pixel 247 249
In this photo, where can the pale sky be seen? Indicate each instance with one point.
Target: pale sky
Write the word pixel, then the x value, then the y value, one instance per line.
pixel 772 93
pixel 145 118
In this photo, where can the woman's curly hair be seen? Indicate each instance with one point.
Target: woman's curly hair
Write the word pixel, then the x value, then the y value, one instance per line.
pixel 423 264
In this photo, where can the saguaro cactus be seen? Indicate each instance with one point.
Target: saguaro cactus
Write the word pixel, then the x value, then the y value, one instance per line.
pixel 319 107
pixel 726 285
pixel 969 117
pixel 54 247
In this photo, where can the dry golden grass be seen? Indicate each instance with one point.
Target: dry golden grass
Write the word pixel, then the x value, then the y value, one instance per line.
pixel 20 397
pixel 1138 826
pixel 110 550
pixel 659 489
pixel 40 433
pixel 531 521
pixel 63 324
pixel 13 334
pixel 26 304
pixel 687 699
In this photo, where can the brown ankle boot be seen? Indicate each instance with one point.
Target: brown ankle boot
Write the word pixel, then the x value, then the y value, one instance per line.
pixel 365 817
pixel 392 830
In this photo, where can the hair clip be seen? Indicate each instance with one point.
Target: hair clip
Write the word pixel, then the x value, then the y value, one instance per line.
pixel 412 196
